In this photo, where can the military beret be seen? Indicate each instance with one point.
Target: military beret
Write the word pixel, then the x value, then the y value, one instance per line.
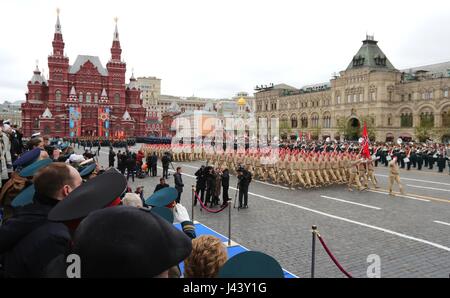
pixel 27 158
pixel 96 193
pixel 25 197
pixel 63 146
pixel 128 242
pixel 164 212
pixel 87 170
pixel 162 197
pixel 251 264
pixel 32 169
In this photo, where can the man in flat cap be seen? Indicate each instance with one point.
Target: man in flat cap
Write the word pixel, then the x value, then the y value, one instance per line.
pixel 29 240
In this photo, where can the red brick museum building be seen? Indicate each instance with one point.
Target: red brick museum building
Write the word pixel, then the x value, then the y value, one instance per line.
pixel 83 99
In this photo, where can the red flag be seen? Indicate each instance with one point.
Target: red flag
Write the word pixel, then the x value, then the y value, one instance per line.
pixel 365 144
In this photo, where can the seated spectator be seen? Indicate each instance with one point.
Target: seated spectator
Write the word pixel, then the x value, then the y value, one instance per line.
pixel 207 257
pixel 28 240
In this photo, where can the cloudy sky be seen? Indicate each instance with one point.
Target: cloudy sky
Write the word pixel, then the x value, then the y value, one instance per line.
pixel 213 48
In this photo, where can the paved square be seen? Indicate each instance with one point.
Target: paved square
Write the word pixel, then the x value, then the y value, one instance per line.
pixel 410 234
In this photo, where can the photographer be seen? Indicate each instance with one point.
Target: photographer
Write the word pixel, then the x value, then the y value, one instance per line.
pixel 244 179
pixel 210 184
pixel 201 183
pixel 166 160
pixel 225 186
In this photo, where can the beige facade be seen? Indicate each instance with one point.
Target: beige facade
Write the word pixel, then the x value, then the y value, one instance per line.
pixel 393 102
pixel 150 91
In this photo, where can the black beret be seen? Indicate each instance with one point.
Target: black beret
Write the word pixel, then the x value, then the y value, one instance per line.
pixel 97 193
pixel 128 242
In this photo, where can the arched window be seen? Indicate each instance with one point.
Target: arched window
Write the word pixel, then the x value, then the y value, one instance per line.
pixel 36 123
pixel 294 123
pixel 58 95
pixel 406 119
pixel 446 92
pixel 57 125
pixel 304 121
pixel 327 121
pixel 80 96
pixel 88 97
pixel 427 119
pixel 117 98
pixel 315 121
pixel 95 97
pixel 446 118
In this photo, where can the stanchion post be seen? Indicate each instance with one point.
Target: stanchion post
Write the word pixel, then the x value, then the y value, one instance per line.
pixel 313 254
pixel 193 201
pixel 229 223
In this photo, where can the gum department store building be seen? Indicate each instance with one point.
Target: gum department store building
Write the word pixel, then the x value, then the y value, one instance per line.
pixel 392 102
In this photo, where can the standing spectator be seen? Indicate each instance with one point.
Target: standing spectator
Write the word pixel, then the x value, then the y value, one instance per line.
pixel 111 157
pixel 225 186
pixel 131 167
pixel 178 183
pixel 119 155
pixel 207 257
pixel 165 160
pixel 154 164
pixel 99 148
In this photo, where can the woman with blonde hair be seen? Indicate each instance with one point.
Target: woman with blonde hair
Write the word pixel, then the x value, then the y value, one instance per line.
pixel 207 257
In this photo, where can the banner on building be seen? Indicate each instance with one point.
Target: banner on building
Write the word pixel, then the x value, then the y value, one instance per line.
pixel 75 122
pixel 103 122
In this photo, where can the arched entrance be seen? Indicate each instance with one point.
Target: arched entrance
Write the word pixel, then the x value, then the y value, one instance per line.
pixel 353 129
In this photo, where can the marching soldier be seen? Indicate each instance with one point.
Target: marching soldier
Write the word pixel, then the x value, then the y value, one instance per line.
pixel 329 170
pixel 316 168
pixel 311 171
pixel 394 176
pixel 362 174
pixel 354 177
pixel 371 173
pixel 323 170
pixel 343 167
pixel 304 169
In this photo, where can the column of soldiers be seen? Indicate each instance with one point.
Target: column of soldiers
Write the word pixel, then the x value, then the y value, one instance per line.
pixel 305 170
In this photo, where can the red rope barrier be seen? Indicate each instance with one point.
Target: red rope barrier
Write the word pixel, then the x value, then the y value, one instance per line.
pixel 332 257
pixel 206 208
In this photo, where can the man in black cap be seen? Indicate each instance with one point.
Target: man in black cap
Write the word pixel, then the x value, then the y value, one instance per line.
pixel 28 240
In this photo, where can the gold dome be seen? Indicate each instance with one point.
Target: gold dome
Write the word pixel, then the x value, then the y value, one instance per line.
pixel 241 101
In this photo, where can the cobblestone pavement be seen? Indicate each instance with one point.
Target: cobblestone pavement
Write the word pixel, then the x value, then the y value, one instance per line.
pixel 410 234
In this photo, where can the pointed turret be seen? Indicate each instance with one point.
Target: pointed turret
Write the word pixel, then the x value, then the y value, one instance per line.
pixel 37 78
pixel 116 51
pixel 73 94
pixel 58 43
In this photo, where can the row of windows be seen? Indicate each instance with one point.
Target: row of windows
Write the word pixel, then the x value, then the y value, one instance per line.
pixel 87 98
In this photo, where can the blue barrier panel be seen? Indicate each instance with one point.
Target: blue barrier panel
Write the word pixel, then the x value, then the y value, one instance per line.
pixel 201 229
